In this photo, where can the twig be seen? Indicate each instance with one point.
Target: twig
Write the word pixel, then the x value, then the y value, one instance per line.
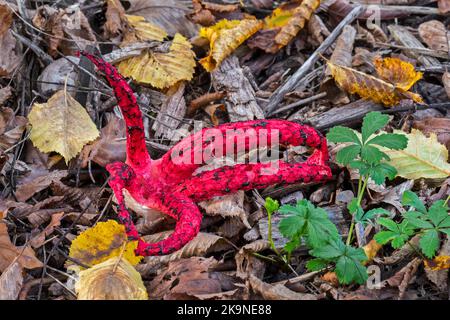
pixel 279 94
pixel 38 51
pixel 298 103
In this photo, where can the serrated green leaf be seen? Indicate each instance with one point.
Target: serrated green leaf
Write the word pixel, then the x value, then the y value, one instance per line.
pixel 409 198
pixel 372 214
pixel 292 226
pixel 437 212
pixel 342 134
pixel 388 223
pixel 349 267
pixel 429 243
pixel 384 237
pixel 379 172
pixel 271 205
pixel 372 155
pixel 347 154
pixel 330 251
pixel 373 122
pixel 316 264
pixel 390 140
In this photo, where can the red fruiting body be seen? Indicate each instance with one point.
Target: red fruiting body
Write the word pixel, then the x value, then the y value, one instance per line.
pixel 172 186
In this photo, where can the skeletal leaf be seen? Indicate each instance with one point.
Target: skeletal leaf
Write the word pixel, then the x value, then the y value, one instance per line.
pixel 369 87
pixel 102 242
pixel 61 125
pixel 224 37
pixel 423 158
pixel 162 70
pixel 397 72
pixel 113 279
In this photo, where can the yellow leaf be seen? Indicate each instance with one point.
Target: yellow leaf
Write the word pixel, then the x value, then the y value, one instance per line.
pixel 113 279
pixel 371 249
pixel 423 157
pixel 279 17
pixel 398 72
pixel 143 30
pixel 224 37
pixel 438 263
pixel 162 70
pixel 102 242
pixel 61 125
pixel 369 87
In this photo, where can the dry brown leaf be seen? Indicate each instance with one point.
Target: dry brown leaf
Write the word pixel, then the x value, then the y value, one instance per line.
pixel 39 240
pixel 162 70
pixel 331 277
pixel 6 18
pixel 369 87
pixel 114 15
pixel 446 82
pixel 277 291
pixel 36 181
pixel 204 12
pixel 438 126
pixel 435 35
pixel 227 206
pixel 9 253
pixel 113 279
pixel 371 250
pixel 444 5
pixel 10 57
pixel 70 29
pixel 5 94
pixel 11 128
pixel 211 111
pixel 400 73
pixel 225 37
pixel 102 242
pixel 11 281
pixel 404 277
pixel 437 270
pixel 202 244
pixel 245 261
pixel 186 278
pixel 61 125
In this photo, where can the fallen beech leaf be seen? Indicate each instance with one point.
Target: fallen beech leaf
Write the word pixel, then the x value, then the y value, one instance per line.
pixel 38 240
pixel 398 72
pixel 224 37
pixel 142 31
pixel 11 281
pixel 162 70
pixel 9 252
pixel 435 35
pixel 439 126
pixel 113 279
pixel 369 87
pixel 371 249
pixel 423 157
pixel 102 242
pixel 61 125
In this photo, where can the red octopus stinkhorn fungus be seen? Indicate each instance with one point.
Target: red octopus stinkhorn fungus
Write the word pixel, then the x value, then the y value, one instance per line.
pixel 173 188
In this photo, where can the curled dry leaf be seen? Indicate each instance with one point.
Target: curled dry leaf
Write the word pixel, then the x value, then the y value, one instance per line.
pixel 371 249
pixel 162 70
pixel 11 281
pixel 224 37
pixel 113 279
pixel 186 278
pixel 11 128
pixel 114 18
pixel 423 157
pixel 9 253
pixel 369 87
pixel 61 125
pixel 202 244
pixel 277 291
pixel 204 12
pixel 404 276
pixel 102 242
pixel 245 261
pixel 398 72
pixel 435 35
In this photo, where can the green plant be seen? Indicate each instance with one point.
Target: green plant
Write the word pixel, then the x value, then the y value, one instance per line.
pixel 362 154
pixel 306 224
pixel 429 223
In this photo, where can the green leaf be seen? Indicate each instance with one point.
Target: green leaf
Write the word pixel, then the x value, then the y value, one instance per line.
pixel 429 243
pixel 343 134
pixel 361 166
pixel 384 237
pixel 373 122
pixel 437 212
pixel 390 140
pixel 330 251
pixel 292 245
pixel 372 154
pixel 398 234
pixel 418 220
pixel 347 154
pixel 316 264
pixel 379 172
pixel 271 205
pixel 371 214
pixel 292 226
pixel 388 223
pixel 411 199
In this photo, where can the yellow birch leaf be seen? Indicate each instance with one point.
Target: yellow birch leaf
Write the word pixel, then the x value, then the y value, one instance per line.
pixel 61 125
pixel 300 15
pixel 423 157
pixel 398 72
pixel 102 242
pixel 224 37
pixel 369 87
pixel 113 279
pixel 162 70
pixel 144 30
